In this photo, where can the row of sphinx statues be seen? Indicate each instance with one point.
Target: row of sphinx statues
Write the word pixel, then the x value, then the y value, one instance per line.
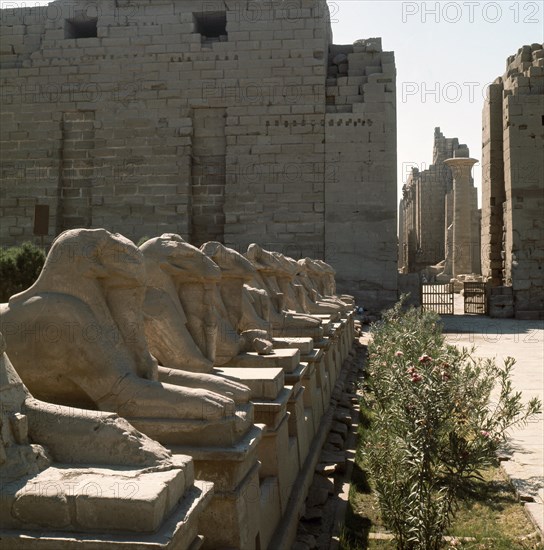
pixel 143 332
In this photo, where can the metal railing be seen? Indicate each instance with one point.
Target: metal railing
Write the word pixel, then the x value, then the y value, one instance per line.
pixel 437 298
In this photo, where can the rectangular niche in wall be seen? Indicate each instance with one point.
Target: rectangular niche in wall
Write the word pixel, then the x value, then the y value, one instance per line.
pixel 211 25
pixel 80 28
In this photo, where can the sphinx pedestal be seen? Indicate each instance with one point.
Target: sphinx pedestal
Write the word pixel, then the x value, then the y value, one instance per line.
pixel 66 507
pixel 232 519
pixel 277 450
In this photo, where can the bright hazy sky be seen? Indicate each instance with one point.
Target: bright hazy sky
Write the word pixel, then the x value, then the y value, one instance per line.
pixel 446 53
pixel 444 62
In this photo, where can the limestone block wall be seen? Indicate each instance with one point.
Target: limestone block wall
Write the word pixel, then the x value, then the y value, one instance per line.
pixel 513 182
pixel 216 120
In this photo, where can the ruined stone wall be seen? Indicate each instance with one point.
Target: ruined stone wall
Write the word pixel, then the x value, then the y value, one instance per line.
pixel 513 182
pixel 215 120
pixel 360 216
pixel 431 216
pixel 492 186
pixel 407 209
pixel 425 211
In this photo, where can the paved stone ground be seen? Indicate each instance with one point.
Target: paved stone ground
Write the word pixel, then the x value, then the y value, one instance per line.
pixel 523 340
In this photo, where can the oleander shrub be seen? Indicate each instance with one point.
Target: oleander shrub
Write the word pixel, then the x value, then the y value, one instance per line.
pixel 19 268
pixel 142 240
pixel 439 415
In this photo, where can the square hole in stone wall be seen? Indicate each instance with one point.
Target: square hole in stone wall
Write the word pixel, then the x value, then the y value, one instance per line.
pixel 80 28
pixel 211 25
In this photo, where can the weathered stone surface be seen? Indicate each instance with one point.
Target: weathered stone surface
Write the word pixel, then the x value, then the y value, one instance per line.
pixel 513 184
pixel 464 241
pixel 426 220
pixel 180 278
pixel 180 287
pixel 100 358
pixel 264 383
pixel 286 359
pixel 209 142
pixel 108 478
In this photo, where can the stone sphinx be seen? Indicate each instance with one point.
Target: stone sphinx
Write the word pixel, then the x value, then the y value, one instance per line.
pixel 77 338
pixel 298 289
pixel 282 321
pixel 182 327
pixel 235 335
pixel 181 278
pixel 60 467
pixel 317 281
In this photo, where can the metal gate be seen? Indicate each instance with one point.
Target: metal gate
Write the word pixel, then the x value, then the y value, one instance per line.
pixel 438 298
pixel 474 297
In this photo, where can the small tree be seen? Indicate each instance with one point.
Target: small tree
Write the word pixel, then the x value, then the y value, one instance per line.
pixel 439 416
pixel 19 268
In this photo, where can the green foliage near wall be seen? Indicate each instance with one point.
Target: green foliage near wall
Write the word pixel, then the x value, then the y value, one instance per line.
pixel 19 268
pixel 439 415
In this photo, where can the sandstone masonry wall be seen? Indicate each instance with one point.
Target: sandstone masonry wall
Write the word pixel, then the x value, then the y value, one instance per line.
pixel 214 120
pixel 513 181
pixel 427 209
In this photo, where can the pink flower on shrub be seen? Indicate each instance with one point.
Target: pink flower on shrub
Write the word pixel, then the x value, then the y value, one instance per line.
pixel 445 375
pixel 485 434
pixel 416 378
pixel 411 370
pixel 399 354
pixel 425 358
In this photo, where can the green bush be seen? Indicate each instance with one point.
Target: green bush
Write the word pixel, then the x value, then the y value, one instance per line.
pixel 143 240
pixel 439 415
pixel 19 268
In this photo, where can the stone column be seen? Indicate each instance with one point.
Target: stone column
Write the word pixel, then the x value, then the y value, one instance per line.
pixel 462 214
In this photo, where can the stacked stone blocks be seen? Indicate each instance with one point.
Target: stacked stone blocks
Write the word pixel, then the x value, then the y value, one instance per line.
pixel 513 181
pixel 235 133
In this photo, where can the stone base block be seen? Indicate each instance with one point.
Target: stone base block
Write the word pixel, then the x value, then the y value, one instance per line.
pixel 272 412
pixel 95 498
pixel 226 467
pixel 295 378
pixel 311 422
pixel 286 359
pixel 326 322
pixel 299 332
pixel 304 345
pixel 264 383
pixel 284 536
pixel 179 532
pixel 317 359
pixel 323 391
pixel 279 458
pixel 313 399
pixel 270 510
pixel 298 424
pixel 232 518
pixel 327 346
pixel 172 431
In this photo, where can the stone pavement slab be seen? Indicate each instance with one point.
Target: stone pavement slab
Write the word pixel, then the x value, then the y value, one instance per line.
pixel 524 341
